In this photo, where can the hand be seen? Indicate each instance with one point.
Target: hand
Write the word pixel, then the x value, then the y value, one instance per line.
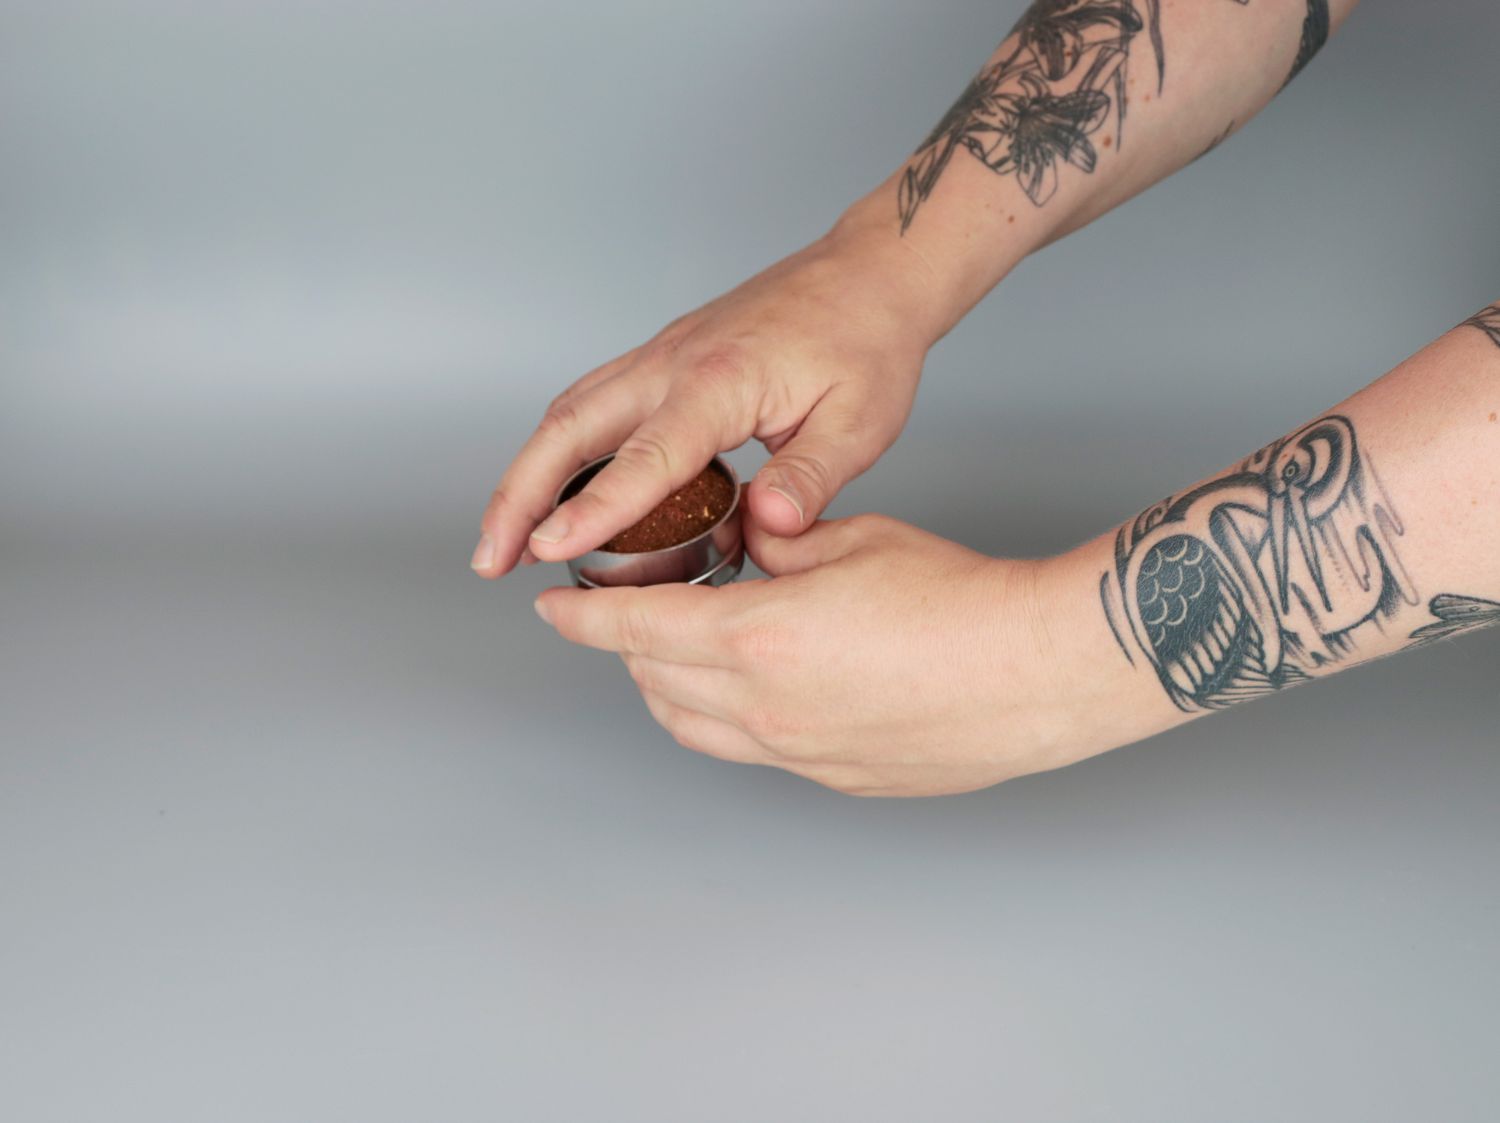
pixel 818 357
pixel 879 660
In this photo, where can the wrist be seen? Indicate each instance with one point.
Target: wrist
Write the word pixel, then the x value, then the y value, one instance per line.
pixel 959 254
pixel 923 287
pixel 1102 699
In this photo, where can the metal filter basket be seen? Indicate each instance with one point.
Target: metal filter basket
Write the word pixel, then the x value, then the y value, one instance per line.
pixel 713 557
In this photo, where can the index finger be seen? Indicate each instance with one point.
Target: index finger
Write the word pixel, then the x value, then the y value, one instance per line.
pixel 576 429
pixel 671 447
pixel 676 623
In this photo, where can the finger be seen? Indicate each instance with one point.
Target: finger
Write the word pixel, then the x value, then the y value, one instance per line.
pixel 831 446
pixel 598 375
pixel 681 623
pixel 669 449
pixel 715 691
pixel 705 734
pixel 570 435
pixel 823 542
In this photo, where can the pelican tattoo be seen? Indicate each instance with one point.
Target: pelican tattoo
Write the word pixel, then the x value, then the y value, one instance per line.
pixel 1247 583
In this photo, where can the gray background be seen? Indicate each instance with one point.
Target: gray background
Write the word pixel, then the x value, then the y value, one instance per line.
pixel 301 821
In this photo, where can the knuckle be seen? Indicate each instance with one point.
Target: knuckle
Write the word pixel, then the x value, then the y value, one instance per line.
pixel 561 420
pixel 633 669
pixel 561 412
pixel 768 725
pixel 671 336
pixel 858 786
pixel 680 726
pixel 761 642
pixel 500 500
pixel 644 674
pixel 841 780
pixel 721 365
pixel 868 526
pixel 656 706
pixel 560 400
pixel 646 453
pixel 682 736
pixel 669 340
pixel 722 377
pixel 635 630
pixel 672 722
pixel 812 469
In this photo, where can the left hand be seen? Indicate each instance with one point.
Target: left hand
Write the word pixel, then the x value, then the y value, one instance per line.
pixel 878 660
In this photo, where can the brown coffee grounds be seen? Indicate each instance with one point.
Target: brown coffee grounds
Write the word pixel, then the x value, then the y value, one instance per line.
pixel 684 514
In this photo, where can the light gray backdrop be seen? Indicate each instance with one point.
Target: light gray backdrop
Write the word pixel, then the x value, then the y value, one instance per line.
pixel 299 821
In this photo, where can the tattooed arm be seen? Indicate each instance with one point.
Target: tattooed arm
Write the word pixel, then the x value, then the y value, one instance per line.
pixel 1364 531
pixel 883 660
pixel 1086 103
pixel 818 357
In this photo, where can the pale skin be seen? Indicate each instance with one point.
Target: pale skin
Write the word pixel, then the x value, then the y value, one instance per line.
pixel 883 660
pixel 878 659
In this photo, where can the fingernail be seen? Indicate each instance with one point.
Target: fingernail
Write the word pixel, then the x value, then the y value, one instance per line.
pixel 527 557
pixel 541 610
pixel 553 529
pixel 484 553
pixel 778 483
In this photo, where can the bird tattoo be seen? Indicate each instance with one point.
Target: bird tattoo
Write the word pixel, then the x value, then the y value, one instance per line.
pixel 1247 583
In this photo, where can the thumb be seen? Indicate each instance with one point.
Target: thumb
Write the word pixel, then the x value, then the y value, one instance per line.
pixel 824 541
pixel 789 493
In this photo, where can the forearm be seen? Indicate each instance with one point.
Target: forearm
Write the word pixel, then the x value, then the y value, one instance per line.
pixel 1086 103
pixel 1372 529
pixel 884 660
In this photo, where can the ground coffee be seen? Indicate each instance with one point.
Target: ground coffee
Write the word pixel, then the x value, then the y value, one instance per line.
pixel 684 514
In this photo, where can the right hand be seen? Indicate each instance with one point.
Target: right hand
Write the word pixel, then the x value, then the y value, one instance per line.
pixel 818 357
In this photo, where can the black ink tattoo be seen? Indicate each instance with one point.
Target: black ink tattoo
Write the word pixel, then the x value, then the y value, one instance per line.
pixel 1264 577
pixel 1315 27
pixel 1115 626
pixel 1253 581
pixel 1039 105
pixel 1456 615
pixel 1063 79
pixel 1486 320
pixel 1153 29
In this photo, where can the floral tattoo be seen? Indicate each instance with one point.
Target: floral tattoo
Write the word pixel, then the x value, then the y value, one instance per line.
pixel 1062 82
pixel 1037 106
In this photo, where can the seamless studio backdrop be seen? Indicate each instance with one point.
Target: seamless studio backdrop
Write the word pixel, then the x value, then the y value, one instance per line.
pixel 299 820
